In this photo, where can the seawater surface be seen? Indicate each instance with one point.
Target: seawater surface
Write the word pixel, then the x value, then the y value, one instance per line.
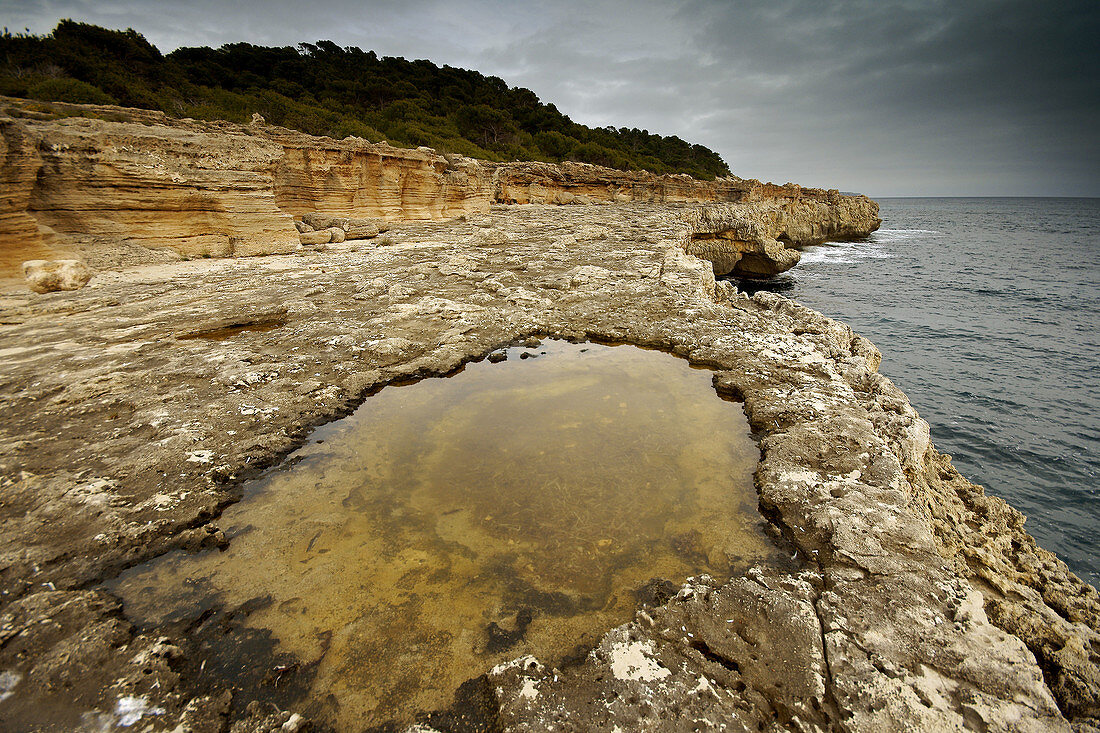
pixel 451 524
pixel 987 312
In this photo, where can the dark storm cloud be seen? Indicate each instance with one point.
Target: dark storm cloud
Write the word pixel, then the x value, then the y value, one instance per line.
pixel 883 96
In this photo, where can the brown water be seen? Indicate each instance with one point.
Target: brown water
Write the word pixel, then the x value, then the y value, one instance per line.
pixel 452 524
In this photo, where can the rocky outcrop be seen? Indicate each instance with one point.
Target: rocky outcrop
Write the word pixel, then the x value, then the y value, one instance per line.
pixel 197 190
pixel 47 276
pixel 583 183
pixel 357 179
pixel 79 179
pixel 90 182
pixel 1028 591
pixel 20 237
pixel 750 235
pixel 743 248
pixel 755 238
pixel 134 407
pixel 317 228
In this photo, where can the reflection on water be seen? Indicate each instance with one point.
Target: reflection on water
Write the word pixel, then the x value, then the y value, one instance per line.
pixel 452 524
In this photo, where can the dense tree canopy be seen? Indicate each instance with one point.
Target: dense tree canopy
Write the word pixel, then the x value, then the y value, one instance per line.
pixel 322 89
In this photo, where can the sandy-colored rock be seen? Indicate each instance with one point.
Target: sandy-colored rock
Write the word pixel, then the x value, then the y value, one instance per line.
pixel 318 221
pixel 353 178
pixel 119 177
pixel 135 407
pixel 753 239
pixel 917 603
pixel 115 179
pixel 198 191
pixel 310 238
pixel 581 183
pixel 46 276
pixel 362 229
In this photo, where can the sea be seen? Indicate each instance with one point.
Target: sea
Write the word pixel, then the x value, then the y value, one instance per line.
pixel 987 313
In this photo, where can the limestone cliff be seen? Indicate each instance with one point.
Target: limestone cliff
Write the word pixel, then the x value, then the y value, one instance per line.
pixel 358 179
pixel 751 239
pixel 750 234
pixel 107 178
pixel 583 183
pixel 112 186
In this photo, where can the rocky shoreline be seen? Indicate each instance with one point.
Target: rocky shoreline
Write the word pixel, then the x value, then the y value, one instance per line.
pixel 114 187
pixel 920 602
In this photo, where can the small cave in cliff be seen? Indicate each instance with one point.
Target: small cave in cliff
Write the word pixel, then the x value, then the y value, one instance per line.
pixel 451 524
pixel 753 285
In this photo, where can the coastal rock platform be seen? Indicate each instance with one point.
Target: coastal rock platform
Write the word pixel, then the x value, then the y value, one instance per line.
pixel 114 187
pixel 135 408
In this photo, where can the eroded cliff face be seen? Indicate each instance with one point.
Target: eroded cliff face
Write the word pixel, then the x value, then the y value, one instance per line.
pixel 19 165
pixel 583 183
pixel 755 238
pixel 751 233
pixel 120 182
pixel 358 179
pixel 114 186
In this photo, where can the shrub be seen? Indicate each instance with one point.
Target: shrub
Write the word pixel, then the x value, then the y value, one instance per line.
pixel 69 90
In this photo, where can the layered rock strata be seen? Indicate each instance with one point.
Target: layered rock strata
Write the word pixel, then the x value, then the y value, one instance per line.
pixel 754 239
pixel 114 187
pixel 197 190
pixel 583 183
pixel 921 603
pixel 356 179
pixel 102 182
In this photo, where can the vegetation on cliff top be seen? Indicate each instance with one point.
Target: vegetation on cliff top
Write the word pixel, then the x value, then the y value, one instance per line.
pixel 322 89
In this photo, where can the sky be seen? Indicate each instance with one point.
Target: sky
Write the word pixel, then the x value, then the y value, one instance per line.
pixel 883 97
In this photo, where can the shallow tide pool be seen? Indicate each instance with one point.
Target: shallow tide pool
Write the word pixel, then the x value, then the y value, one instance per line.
pixel 450 524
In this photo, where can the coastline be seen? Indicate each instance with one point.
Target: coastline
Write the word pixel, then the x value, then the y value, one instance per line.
pixel 921 602
pixel 982 343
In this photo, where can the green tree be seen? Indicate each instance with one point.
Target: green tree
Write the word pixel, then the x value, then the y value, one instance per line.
pixel 323 89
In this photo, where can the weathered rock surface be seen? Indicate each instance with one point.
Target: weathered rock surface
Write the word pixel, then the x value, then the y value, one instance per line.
pixel 135 406
pixel 751 239
pixel 356 179
pixel 584 183
pixel 114 187
pixel 46 276
pixel 314 226
pixel 198 190
pixel 117 177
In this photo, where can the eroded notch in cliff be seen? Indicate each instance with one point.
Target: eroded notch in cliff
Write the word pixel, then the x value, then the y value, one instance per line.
pixel 742 252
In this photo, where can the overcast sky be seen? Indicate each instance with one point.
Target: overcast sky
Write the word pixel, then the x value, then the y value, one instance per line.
pixel 886 97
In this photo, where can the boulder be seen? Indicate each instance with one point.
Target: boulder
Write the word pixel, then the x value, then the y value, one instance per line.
pixel 362 229
pixel 324 221
pixel 46 276
pixel 322 237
